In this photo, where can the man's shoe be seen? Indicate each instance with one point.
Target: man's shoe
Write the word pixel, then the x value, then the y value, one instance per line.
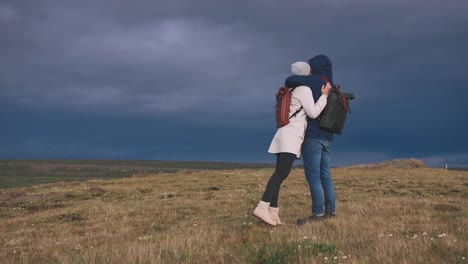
pixel 310 219
pixel 329 215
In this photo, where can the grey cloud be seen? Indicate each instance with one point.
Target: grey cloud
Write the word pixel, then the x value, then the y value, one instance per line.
pixel 7 13
pixel 193 56
pixel 154 79
pixel 172 60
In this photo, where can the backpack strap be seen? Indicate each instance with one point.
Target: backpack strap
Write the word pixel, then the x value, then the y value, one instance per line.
pixel 297 112
pixel 344 102
pixel 325 79
pixel 345 105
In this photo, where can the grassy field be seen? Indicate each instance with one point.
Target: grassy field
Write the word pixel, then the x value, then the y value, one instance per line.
pixel 27 173
pixel 384 216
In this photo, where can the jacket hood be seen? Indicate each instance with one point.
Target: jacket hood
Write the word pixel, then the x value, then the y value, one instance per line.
pixel 322 65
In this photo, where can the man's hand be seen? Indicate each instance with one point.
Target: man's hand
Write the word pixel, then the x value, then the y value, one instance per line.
pixel 326 89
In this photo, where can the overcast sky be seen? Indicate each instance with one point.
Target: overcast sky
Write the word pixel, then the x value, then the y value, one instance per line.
pixel 195 80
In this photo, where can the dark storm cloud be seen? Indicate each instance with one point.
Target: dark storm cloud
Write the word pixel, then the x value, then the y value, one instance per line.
pixel 220 62
pixel 164 64
pixel 156 56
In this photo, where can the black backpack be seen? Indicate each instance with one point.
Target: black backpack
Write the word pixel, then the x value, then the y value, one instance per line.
pixel 334 115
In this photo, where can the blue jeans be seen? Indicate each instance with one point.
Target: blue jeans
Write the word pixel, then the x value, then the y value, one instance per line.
pixel 317 158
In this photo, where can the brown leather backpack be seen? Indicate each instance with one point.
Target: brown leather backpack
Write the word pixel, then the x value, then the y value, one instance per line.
pixel 283 101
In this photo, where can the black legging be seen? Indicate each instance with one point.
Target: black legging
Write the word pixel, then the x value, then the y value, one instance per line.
pixel 284 162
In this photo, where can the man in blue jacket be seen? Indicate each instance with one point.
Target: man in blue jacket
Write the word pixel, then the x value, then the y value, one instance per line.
pixel 317 144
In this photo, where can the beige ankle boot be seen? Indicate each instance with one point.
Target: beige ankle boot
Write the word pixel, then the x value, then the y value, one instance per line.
pixel 261 212
pixel 274 215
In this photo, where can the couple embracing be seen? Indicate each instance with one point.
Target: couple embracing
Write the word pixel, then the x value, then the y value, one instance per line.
pixel 303 135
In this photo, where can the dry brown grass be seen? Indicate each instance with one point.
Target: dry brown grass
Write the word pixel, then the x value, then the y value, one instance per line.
pixel 384 216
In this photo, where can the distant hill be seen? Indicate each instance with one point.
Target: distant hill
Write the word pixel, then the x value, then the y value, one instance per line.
pixel 458 169
pixel 394 164
pixel 17 173
pixel 133 164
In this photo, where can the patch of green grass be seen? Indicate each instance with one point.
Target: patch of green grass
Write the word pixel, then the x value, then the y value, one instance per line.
pixel 292 252
pixel 77 195
pixel 19 173
pixel 158 228
pixel 73 216
pixel 144 190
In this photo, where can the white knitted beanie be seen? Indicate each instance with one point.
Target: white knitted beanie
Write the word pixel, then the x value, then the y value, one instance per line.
pixel 300 68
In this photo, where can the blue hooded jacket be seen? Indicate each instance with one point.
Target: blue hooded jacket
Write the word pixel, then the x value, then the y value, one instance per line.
pixel 321 66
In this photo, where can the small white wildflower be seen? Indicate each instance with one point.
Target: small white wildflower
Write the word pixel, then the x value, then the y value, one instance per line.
pixel 304 238
pixel 76 248
pixel 14 251
pixel 145 238
pixel 432 238
pixel 390 235
pixel 335 257
pixel 442 235
pixel 345 257
pixel 325 258
pixel 194 224
pixel 424 234
pixel 314 238
pixel 299 246
pixel 463 257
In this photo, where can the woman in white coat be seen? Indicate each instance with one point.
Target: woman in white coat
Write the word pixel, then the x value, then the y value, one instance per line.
pixel 286 144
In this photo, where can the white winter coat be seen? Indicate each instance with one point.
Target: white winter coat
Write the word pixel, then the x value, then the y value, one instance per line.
pixel 290 137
